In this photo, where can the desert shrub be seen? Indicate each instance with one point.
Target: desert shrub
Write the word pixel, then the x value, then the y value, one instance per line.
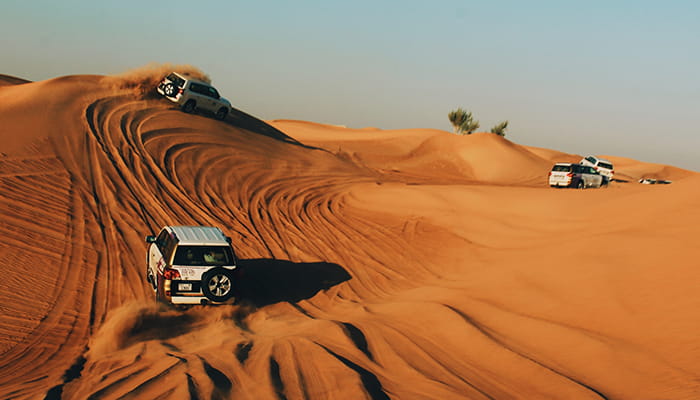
pixel 463 121
pixel 500 129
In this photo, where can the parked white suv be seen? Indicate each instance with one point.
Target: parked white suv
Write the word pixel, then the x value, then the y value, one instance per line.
pixel 575 175
pixel 603 166
pixel 191 265
pixel 193 95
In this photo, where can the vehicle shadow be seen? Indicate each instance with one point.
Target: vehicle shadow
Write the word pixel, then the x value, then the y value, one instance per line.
pixel 268 281
pixel 250 123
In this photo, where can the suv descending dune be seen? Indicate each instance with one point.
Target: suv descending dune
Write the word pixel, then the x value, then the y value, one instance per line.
pixel 603 166
pixel 191 265
pixel 192 94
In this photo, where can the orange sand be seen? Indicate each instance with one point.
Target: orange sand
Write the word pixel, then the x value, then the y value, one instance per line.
pixel 404 264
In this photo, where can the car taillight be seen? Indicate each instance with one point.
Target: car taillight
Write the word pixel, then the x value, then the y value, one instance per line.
pixel 550 173
pixel 570 175
pixel 180 91
pixel 170 273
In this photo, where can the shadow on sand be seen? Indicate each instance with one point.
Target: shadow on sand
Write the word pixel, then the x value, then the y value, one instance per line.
pixel 248 122
pixel 268 281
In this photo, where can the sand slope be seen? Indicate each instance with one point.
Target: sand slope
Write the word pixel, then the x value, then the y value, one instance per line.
pixel 408 264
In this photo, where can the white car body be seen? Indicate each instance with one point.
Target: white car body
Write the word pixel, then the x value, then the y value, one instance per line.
pixel 603 166
pixel 191 265
pixel 575 175
pixel 192 94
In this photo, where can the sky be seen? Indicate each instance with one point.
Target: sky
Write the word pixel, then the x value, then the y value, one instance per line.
pixel 608 77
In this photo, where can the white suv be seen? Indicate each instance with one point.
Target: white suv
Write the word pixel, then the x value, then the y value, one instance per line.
pixel 193 95
pixel 603 166
pixel 191 265
pixel 575 175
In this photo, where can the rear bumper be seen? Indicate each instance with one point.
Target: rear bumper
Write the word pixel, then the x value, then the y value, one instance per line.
pixel 561 183
pixel 192 300
pixel 195 296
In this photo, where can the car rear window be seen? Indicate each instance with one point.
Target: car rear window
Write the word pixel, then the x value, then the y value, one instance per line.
pixel 176 80
pixel 562 168
pixel 203 255
pixel 605 165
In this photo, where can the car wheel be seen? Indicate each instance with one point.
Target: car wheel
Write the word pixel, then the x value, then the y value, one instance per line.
pixel 169 90
pixel 580 184
pixel 217 284
pixel 222 113
pixel 189 106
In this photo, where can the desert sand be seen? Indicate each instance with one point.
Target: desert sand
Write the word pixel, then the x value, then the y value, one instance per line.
pixel 380 264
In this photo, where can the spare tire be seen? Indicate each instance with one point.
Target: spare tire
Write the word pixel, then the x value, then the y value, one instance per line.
pixel 169 89
pixel 217 284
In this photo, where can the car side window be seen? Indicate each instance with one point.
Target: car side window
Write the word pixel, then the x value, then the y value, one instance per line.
pixel 169 248
pixel 213 93
pixel 161 240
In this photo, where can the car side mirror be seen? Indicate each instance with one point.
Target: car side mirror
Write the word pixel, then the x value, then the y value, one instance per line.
pixel 150 239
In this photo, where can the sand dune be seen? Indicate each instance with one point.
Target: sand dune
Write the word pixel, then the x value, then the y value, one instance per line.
pixel 402 264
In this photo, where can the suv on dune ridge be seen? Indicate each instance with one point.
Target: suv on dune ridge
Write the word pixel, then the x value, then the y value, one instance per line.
pixel 191 265
pixel 603 166
pixel 192 94
pixel 575 175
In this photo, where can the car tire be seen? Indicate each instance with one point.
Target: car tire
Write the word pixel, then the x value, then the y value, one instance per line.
pixel 222 113
pixel 580 185
pixel 189 106
pixel 218 284
pixel 169 90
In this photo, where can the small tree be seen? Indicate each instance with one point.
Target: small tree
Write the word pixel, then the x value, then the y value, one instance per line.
pixel 457 118
pixel 462 121
pixel 500 129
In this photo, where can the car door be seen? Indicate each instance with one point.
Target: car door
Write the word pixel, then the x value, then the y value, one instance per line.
pixel 213 97
pixel 595 179
pixel 197 92
pixel 155 253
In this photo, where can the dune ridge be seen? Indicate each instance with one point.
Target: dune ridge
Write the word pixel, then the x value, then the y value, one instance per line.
pixel 407 264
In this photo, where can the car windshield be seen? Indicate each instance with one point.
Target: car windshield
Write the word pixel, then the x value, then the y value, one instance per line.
pixel 203 255
pixel 562 168
pixel 605 165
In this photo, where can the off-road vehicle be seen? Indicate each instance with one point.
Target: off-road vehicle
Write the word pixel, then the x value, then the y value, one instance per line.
pixel 575 175
pixel 603 166
pixel 192 94
pixel 191 265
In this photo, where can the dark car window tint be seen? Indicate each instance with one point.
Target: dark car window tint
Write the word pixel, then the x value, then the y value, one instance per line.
pixel 591 159
pixel 605 165
pixel 161 239
pixel 562 168
pixel 170 243
pixel 176 80
pixel 203 255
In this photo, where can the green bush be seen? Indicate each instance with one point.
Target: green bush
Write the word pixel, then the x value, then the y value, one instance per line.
pixel 500 129
pixel 463 122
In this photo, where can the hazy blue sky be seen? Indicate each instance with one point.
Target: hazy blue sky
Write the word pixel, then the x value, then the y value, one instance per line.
pixel 599 77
